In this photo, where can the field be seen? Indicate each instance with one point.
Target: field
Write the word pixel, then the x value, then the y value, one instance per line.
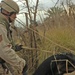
pixel 56 34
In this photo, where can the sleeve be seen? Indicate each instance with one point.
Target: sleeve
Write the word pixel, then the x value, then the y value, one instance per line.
pixel 8 54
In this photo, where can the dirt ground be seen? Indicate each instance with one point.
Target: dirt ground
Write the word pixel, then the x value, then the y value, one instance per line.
pixel 73 73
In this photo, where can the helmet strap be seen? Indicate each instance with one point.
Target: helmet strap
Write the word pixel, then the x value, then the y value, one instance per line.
pixel 9 19
pixel 8 15
pixel 3 12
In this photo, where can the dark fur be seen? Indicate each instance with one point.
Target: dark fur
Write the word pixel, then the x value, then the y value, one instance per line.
pixel 49 68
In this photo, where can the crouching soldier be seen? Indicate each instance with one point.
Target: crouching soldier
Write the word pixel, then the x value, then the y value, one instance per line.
pixel 9 9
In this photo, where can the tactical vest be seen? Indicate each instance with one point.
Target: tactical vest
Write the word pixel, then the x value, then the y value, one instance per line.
pixel 5 22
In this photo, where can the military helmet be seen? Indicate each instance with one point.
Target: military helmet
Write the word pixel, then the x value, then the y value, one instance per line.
pixel 10 6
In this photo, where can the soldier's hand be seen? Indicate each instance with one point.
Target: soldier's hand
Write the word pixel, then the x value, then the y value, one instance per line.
pixel 18 47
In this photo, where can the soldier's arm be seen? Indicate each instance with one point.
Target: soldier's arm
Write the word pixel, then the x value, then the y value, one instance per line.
pixel 8 54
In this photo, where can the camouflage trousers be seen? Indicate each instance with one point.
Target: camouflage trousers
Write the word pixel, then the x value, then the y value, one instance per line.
pixel 8 71
pixel 4 71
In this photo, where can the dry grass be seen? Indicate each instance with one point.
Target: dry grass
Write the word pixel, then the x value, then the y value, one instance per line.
pixel 57 35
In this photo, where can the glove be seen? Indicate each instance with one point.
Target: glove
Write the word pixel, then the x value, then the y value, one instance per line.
pixel 24 72
pixel 18 47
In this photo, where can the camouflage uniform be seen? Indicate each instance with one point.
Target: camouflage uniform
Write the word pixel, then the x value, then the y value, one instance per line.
pixel 6 51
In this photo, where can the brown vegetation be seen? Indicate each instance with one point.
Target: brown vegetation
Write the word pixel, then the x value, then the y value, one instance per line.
pixel 55 35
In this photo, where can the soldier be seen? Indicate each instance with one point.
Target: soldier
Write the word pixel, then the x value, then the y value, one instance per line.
pixel 9 9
